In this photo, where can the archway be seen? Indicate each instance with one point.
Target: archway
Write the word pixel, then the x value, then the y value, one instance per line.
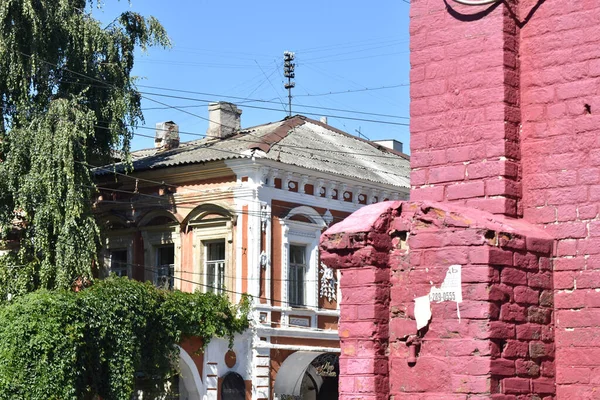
pixel 307 375
pixel 190 383
pixel 233 387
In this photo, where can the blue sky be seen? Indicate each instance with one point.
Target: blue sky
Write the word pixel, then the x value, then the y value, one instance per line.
pixel 235 49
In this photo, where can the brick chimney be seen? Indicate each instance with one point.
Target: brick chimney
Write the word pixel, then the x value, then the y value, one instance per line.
pixel 224 120
pixel 465 116
pixel 167 135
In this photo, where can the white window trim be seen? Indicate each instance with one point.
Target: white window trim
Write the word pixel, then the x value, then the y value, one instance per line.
pixel 157 236
pixel 117 242
pixel 208 232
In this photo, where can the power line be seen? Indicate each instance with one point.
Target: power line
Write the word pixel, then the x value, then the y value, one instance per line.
pixel 306 149
pixel 163 183
pixel 248 279
pixel 271 299
pixel 196 115
pixel 266 108
pixel 356 90
pixel 297 105
pixel 251 100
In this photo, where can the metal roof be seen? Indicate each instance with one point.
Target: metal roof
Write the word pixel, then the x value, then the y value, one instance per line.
pixel 298 141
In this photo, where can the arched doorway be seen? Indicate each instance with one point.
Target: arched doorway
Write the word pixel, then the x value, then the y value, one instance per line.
pixel 307 375
pixel 233 387
pixel 327 368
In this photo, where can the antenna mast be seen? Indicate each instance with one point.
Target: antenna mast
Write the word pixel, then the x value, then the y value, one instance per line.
pixel 288 72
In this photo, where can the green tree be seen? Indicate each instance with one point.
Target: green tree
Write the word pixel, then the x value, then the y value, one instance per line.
pixel 67 100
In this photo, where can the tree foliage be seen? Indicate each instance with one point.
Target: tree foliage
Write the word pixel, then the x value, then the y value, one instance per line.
pixel 67 100
pixel 67 345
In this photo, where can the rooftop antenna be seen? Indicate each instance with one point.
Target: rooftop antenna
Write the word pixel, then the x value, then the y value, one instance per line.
pixel 288 72
pixel 360 134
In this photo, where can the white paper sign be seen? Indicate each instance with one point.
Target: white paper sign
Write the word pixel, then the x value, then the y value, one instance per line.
pixel 422 311
pixel 450 290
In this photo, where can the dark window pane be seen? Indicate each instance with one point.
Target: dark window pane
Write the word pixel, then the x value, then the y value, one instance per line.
pixel 118 262
pixel 296 275
pixel 215 265
pixel 165 266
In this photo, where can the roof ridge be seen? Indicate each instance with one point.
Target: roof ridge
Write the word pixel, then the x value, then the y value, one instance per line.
pixel 267 141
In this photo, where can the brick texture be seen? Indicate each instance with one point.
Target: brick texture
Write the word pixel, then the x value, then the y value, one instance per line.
pixel 464 107
pixel 560 77
pixel 498 341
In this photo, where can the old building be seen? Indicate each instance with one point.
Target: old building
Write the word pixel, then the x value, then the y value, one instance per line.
pixel 241 211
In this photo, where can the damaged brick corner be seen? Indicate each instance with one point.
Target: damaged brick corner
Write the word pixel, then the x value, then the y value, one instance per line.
pixel 501 329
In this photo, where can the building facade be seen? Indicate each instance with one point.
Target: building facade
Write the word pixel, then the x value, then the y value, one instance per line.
pixel 241 212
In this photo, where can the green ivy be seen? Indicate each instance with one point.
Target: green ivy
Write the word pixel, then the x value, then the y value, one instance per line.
pixel 68 345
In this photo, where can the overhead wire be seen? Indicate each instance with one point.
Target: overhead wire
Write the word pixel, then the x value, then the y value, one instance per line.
pixel 271 299
pixel 179 203
pixel 165 104
pixel 248 279
pixel 251 100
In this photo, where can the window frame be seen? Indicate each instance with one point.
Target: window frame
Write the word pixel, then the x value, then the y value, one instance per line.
pixel 296 299
pixel 159 236
pixel 158 268
pixel 218 287
pixel 219 229
pixel 297 233
pixel 116 241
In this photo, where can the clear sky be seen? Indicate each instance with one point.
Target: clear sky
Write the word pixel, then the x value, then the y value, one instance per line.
pixel 235 48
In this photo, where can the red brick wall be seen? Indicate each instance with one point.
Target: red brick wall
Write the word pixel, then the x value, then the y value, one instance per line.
pixel 560 95
pixel 464 106
pixel 505 113
pixel 501 346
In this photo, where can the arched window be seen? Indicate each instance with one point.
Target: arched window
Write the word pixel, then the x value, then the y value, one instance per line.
pixel 233 387
pixel 160 232
pixel 117 254
pixel 212 226
pixel 302 228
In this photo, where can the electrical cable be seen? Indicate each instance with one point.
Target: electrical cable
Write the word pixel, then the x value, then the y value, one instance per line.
pixel 250 100
pixel 180 271
pixel 163 183
pixel 271 299
pixel 187 112
pixel 476 2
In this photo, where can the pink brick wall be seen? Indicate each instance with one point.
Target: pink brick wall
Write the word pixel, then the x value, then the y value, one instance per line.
pixel 464 107
pixel 505 116
pixel 502 347
pixel 560 95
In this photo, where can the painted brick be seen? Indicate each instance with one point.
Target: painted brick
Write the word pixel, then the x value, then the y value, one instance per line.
pixel 516 385
pixel 515 349
pixel 465 190
pixel 513 276
pixel 526 295
pixel 513 313
pixel 447 174
pixel 527 368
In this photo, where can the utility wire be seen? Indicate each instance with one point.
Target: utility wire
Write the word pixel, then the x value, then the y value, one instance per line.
pixel 180 271
pixel 163 183
pixel 187 112
pixel 271 299
pixel 251 100
pixel 355 90
pixel 306 149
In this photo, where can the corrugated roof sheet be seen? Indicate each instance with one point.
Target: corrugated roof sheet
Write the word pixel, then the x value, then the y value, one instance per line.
pixel 297 141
